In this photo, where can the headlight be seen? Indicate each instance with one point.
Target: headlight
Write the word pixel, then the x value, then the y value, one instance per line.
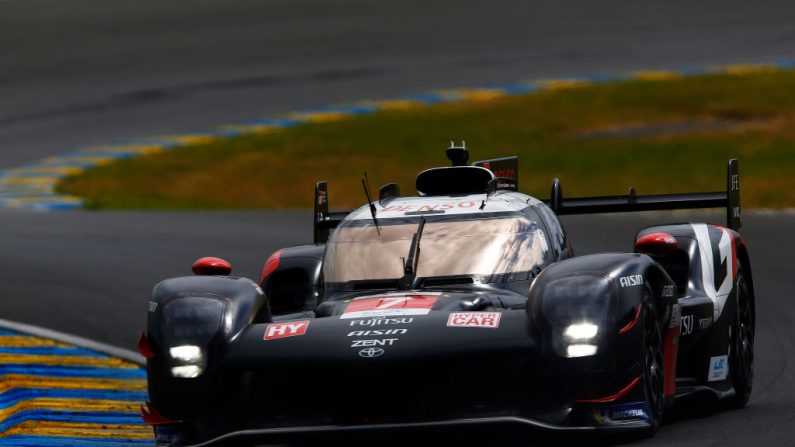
pixel 187 371
pixel 579 335
pixel 186 353
pixel 581 331
pixel 188 360
pixel 582 350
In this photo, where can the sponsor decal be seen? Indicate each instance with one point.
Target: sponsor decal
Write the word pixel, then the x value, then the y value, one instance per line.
pixel 668 291
pixel 718 368
pixel 687 324
pixel 622 414
pixel 676 317
pixel 474 319
pixel 704 323
pixel 371 352
pixel 390 306
pixel 257 288
pixel 717 263
pixel 381 321
pixel 376 342
pixel 429 207
pixel 631 280
pixel 289 329
pixel 152 306
pixel 372 332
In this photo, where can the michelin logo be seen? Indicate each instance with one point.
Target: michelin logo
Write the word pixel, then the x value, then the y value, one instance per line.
pixel 621 414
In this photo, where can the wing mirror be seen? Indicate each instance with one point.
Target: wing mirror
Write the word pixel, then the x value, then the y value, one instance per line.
pixel 656 244
pixel 212 266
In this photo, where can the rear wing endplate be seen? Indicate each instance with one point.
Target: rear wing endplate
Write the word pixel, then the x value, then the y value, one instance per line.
pixel 325 221
pixel 730 199
pixel 506 170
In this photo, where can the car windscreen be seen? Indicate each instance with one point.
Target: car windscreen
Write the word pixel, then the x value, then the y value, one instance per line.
pixel 484 248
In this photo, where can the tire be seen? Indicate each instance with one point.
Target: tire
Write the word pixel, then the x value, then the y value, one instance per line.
pixel 741 358
pixel 653 372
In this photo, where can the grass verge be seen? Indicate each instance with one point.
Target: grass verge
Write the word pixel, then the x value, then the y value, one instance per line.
pixel 658 135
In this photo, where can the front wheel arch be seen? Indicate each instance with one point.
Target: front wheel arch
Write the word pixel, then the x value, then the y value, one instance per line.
pixel 653 360
pixel 741 353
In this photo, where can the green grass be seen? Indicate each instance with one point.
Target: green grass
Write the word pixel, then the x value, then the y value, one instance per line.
pixel 659 136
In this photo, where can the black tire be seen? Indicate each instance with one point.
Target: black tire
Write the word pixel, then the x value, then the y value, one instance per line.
pixel 741 358
pixel 653 372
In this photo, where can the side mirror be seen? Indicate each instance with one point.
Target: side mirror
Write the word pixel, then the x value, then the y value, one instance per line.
pixel 212 266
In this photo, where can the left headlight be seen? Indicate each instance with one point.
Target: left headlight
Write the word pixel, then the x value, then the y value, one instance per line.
pixel 189 361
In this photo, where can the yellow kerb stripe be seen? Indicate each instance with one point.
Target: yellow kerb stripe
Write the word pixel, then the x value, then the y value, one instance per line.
pixel 64 170
pixel 65 360
pixel 187 139
pixel 320 117
pixel 656 75
pixel 11 381
pixel 22 341
pixel 139 149
pixel 26 200
pixel 253 128
pixel 398 104
pixel 742 69
pixel 79 430
pixel 25 180
pixel 562 84
pixel 65 404
pixel 482 94
pixel 93 159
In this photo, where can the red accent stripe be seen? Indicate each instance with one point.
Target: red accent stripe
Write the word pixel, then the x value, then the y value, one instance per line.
pixel 734 253
pixel 143 346
pixel 613 397
pixel 632 323
pixel 670 353
pixel 270 265
pixel 152 417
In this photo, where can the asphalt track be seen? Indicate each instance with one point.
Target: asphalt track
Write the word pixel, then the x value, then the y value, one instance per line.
pixel 80 72
pixel 84 72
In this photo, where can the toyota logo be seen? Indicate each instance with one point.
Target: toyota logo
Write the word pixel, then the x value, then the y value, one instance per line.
pixel 371 352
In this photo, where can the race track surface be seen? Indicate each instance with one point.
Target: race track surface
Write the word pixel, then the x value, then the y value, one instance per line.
pixel 80 72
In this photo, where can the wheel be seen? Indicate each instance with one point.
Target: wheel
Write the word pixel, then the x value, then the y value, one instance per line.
pixel 653 375
pixel 741 360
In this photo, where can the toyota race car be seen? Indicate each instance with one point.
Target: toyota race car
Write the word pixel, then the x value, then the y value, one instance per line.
pixel 463 306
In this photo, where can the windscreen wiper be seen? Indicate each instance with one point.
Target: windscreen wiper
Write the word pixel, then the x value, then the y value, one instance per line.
pixel 410 266
pixel 366 186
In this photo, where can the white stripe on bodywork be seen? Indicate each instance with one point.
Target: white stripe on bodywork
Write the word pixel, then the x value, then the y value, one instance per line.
pixel 719 296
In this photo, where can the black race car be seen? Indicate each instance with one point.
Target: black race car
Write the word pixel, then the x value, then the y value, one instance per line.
pixel 461 307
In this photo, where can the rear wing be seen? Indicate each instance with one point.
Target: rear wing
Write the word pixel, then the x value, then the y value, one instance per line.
pixel 325 221
pixel 506 170
pixel 730 199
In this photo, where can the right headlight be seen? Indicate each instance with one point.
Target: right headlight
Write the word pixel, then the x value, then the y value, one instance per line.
pixel 577 337
pixel 580 350
pixel 581 331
